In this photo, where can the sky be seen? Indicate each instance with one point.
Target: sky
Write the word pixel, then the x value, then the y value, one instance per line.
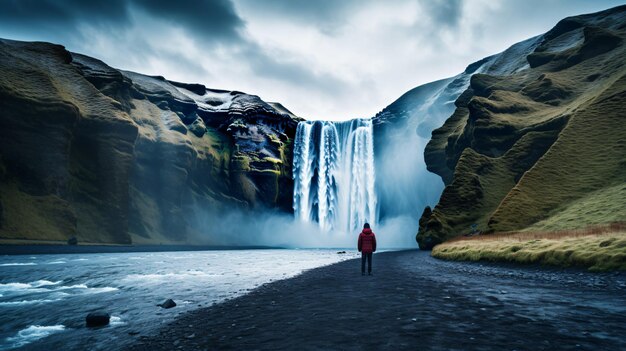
pixel 322 59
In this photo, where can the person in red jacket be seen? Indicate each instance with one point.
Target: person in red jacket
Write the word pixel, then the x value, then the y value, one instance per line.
pixel 366 246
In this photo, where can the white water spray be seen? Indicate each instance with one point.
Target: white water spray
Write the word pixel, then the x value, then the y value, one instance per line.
pixel 333 170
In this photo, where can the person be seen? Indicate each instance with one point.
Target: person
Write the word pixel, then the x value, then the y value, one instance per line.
pixel 367 246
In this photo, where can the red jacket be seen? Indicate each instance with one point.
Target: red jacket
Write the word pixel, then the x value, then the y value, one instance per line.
pixel 367 241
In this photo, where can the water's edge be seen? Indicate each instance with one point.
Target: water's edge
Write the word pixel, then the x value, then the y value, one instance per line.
pixel 50 295
pixel 80 249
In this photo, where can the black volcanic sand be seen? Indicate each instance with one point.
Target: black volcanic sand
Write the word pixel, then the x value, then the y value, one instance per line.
pixel 413 302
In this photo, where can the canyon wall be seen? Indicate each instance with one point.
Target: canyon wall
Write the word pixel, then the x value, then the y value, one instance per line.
pixel 110 156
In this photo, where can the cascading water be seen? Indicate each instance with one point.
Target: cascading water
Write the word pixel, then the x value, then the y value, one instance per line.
pixel 333 171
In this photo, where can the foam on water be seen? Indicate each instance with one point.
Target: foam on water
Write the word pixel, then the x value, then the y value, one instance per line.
pixel 26 286
pixel 26 302
pixel 116 321
pixel 57 262
pixel 17 264
pixel 88 289
pixel 14 286
pixel 44 292
pixel 30 334
pixel 43 282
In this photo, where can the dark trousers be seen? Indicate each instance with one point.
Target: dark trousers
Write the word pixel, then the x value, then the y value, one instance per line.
pixel 366 257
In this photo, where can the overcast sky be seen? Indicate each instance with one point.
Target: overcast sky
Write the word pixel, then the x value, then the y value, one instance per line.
pixel 323 59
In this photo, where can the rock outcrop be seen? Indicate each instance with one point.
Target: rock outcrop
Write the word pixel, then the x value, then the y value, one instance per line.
pixel 542 145
pixel 111 156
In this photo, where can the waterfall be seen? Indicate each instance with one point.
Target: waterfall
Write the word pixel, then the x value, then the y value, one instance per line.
pixel 333 172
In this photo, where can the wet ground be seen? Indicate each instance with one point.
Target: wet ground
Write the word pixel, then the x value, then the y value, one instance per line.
pixel 413 302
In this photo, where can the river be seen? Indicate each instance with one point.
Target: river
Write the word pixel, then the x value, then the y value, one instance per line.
pixel 44 299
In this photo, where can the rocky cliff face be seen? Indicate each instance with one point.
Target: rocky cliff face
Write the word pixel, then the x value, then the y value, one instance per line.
pixel 540 145
pixel 404 128
pixel 112 156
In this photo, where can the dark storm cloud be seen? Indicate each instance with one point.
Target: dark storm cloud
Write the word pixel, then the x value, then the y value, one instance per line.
pixel 326 15
pixel 212 20
pixel 41 14
pixel 206 20
pixel 215 19
pixel 330 15
pixel 444 12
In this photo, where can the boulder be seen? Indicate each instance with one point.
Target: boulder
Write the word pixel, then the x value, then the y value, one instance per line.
pixel 169 303
pixel 97 319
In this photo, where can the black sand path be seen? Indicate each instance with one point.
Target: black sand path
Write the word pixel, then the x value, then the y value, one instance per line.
pixel 413 302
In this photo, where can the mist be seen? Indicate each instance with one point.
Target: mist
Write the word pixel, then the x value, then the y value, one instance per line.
pixel 403 183
pixel 278 229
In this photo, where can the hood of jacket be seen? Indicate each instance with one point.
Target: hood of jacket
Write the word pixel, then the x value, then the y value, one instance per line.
pixel 367 231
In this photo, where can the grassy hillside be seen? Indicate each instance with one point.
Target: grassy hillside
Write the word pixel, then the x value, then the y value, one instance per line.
pixel 597 248
pixel 542 148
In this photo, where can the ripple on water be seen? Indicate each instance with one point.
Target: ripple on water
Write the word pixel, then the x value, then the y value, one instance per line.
pixel 44 291
pixel 167 276
pixel 25 286
pixel 18 264
pixel 88 289
pixel 27 302
pixel 30 334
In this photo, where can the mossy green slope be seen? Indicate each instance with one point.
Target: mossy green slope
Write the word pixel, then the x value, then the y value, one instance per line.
pixel 537 145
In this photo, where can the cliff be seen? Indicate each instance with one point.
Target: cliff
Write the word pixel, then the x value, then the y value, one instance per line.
pixel 403 129
pixel 541 146
pixel 111 156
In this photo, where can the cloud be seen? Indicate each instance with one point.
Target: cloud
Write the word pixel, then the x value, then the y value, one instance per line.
pixel 214 20
pixel 328 16
pixel 43 14
pixel 444 12
pixel 322 59
pixel 280 66
pixel 208 20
